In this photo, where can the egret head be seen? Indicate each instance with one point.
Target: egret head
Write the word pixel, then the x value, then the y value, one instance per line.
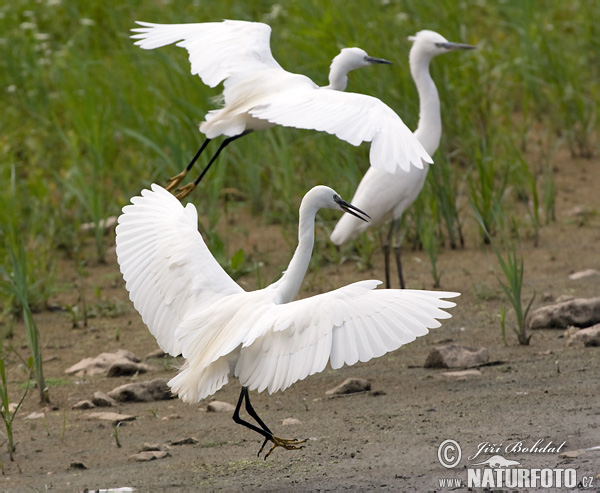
pixel 431 43
pixel 353 58
pixel 349 59
pixel 322 197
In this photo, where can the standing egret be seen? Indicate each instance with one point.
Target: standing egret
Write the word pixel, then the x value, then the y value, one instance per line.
pixel 386 196
pixel 258 93
pixel 264 337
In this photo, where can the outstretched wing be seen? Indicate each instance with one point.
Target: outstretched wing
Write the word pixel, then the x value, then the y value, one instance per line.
pixel 167 267
pixel 216 50
pixel 350 324
pixel 352 117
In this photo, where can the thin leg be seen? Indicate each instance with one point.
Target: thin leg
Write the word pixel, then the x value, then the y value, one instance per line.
pixel 174 181
pixel 288 444
pixel 385 246
pixel 236 416
pixel 250 410
pixel 395 230
pixel 183 192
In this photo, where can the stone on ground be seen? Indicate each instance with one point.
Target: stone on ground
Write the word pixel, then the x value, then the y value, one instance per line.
pixel 151 390
pixel 350 386
pixel 220 407
pixel 588 337
pixel 580 312
pixel 100 399
pixel 455 356
pixel 121 362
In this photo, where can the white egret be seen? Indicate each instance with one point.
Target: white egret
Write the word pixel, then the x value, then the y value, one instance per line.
pixel 258 93
pixel 386 196
pixel 264 337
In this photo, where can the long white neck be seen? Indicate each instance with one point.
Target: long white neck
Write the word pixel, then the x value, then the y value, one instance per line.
pixel 429 130
pixel 289 284
pixel 338 73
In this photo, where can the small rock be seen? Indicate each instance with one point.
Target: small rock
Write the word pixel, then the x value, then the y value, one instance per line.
pixel 350 386
pixel 583 274
pixel 185 441
pixel 126 368
pixel 12 407
pixel 100 399
pixel 579 312
pixel 102 363
pixel 170 417
pixel 589 337
pixel 564 297
pixel 455 356
pixel 152 390
pixel 151 447
pixel 569 454
pixel 77 465
pixel 115 418
pixel 220 407
pixel 149 455
pixel 159 353
pixel 291 422
pixel 578 210
pixel 461 375
pixel 85 404
pixel 35 415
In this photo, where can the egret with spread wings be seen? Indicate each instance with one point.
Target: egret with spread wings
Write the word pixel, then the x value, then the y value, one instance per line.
pixel 264 337
pixel 258 93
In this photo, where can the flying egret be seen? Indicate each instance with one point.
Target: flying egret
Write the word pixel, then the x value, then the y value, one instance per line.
pixel 386 196
pixel 264 337
pixel 258 93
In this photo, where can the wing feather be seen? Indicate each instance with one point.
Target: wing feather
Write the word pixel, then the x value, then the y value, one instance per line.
pixel 280 351
pixel 166 265
pixel 352 117
pixel 217 50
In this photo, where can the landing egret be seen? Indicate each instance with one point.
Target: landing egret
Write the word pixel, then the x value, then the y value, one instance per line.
pixel 264 337
pixel 258 93
pixel 386 196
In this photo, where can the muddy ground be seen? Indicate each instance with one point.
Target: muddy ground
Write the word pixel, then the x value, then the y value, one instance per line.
pixel 387 438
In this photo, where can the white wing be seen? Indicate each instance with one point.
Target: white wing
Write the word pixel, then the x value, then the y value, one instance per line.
pixel 216 50
pixel 350 324
pixel 352 117
pixel 167 267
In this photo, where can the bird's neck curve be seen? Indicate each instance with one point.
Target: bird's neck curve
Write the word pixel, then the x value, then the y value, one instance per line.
pixel 291 281
pixel 338 74
pixel 429 129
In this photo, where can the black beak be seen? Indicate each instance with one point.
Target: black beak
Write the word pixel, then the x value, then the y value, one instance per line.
pixel 455 46
pixel 350 209
pixel 371 59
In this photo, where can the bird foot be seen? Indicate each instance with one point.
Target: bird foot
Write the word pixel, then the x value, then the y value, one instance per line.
pixel 286 443
pixel 183 192
pixel 174 181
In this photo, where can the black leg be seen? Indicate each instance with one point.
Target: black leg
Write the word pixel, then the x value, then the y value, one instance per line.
pixel 250 410
pixel 385 244
pixel 288 444
pixel 236 417
pixel 395 232
pixel 399 265
pixel 223 145
pixel 174 181
pixel 195 158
